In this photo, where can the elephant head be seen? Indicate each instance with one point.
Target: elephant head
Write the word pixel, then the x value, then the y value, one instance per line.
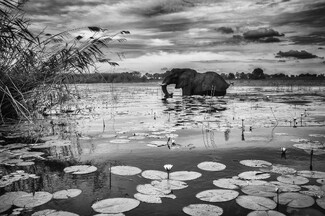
pixel 194 83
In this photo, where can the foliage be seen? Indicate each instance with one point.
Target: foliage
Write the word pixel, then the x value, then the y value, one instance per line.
pixel 33 67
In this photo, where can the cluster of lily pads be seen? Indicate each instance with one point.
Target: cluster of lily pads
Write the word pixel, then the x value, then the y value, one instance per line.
pixel 261 197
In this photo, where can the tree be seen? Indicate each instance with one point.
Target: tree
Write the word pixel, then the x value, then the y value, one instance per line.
pixel 257 73
pixel 231 76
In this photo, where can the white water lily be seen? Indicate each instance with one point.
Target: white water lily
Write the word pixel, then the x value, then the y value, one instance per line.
pixel 168 167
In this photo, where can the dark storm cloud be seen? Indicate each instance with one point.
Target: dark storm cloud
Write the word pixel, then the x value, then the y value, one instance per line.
pixel 158 8
pixel 53 7
pixel 313 16
pixel 296 54
pixel 316 38
pixel 225 30
pixel 261 33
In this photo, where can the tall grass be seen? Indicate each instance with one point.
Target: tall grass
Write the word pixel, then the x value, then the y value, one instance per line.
pixel 35 69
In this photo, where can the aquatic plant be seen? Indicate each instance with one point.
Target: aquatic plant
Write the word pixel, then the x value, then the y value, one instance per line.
pixel 35 68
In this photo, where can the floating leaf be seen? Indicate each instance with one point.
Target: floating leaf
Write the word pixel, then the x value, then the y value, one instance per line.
pixel 311 174
pixel 295 200
pixel 6 200
pixel 51 212
pixel 266 213
pixel 115 205
pixel 321 202
pixel 321 181
pixel 203 210
pixel 169 184
pixel 211 166
pixel 151 190
pixel 217 195
pixel 317 135
pixel 254 175
pixel 118 214
pixel 185 175
pixel 125 170
pixel 260 190
pixel 25 163
pixel 45 212
pixel 313 190
pixel 158 143
pixel 147 198
pixel 80 169
pixel 66 194
pixel 154 174
pixel 292 179
pixel 279 169
pixel 119 141
pixel 255 163
pixel 233 183
pixel 255 203
pixel 32 200
pixel 284 187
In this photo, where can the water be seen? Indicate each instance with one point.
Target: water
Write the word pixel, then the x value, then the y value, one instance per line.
pixel 112 124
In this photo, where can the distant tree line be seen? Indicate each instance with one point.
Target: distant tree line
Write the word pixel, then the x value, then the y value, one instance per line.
pixel 136 76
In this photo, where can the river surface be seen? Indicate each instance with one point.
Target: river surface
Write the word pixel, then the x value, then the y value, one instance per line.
pixel 131 124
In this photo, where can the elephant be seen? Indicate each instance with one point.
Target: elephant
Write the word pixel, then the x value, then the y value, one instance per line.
pixel 194 83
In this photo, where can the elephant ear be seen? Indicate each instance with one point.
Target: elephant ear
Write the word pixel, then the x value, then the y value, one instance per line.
pixel 185 78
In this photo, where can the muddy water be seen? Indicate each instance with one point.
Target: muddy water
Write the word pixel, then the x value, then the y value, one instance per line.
pixel 112 124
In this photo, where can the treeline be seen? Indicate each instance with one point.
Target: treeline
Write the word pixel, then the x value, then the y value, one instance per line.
pixel 258 74
pixel 135 76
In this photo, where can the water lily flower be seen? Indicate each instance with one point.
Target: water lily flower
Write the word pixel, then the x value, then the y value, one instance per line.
pixel 168 167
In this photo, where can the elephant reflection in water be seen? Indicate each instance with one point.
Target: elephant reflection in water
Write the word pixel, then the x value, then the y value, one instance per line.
pixel 193 83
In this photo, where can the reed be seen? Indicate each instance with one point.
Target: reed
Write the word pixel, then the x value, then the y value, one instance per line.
pixel 35 70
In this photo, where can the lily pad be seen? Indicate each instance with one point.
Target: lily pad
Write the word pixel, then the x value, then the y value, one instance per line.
pixel 256 203
pixel 119 141
pixel 151 190
pixel 266 213
pixel 125 170
pixel 311 174
pixel 254 175
pixel 51 212
pixel 235 183
pixel 255 163
pixel 211 166
pixel 279 169
pixel 115 205
pixel 313 190
pixel 284 187
pixel 295 200
pixel 154 174
pixel 25 163
pixel 185 175
pixel 118 214
pixel 321 181
pixel 203 210
pixel 169 184
pixel 321 202
pixel 80 169
pixel 31 201
pixel 260 190
pixel 147 198
pixel 66 194
pixel 293 179
pixel 6 200
pixel 217 195
pixel 158 143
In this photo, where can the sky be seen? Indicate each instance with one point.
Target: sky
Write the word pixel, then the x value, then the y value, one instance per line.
pixel 225 36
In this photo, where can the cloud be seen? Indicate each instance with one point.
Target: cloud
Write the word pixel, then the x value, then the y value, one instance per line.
pixel 315 38
pixel 225 30
pixel 261 33
pixel 160 42
pixel 296 54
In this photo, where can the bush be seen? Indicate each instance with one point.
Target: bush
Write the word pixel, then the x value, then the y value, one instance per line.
pixel 34 69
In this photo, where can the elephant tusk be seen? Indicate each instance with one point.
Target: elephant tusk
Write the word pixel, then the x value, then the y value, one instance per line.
pixel 163 84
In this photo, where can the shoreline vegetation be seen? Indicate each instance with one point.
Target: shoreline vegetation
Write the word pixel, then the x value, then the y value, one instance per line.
pixel 135 77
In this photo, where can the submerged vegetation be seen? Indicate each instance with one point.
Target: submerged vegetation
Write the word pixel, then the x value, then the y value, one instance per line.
pixel 34 69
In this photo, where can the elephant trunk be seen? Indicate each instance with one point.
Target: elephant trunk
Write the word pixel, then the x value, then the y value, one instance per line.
pixel 164 89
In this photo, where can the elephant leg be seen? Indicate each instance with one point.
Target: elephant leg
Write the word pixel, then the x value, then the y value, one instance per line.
pixel 186 91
